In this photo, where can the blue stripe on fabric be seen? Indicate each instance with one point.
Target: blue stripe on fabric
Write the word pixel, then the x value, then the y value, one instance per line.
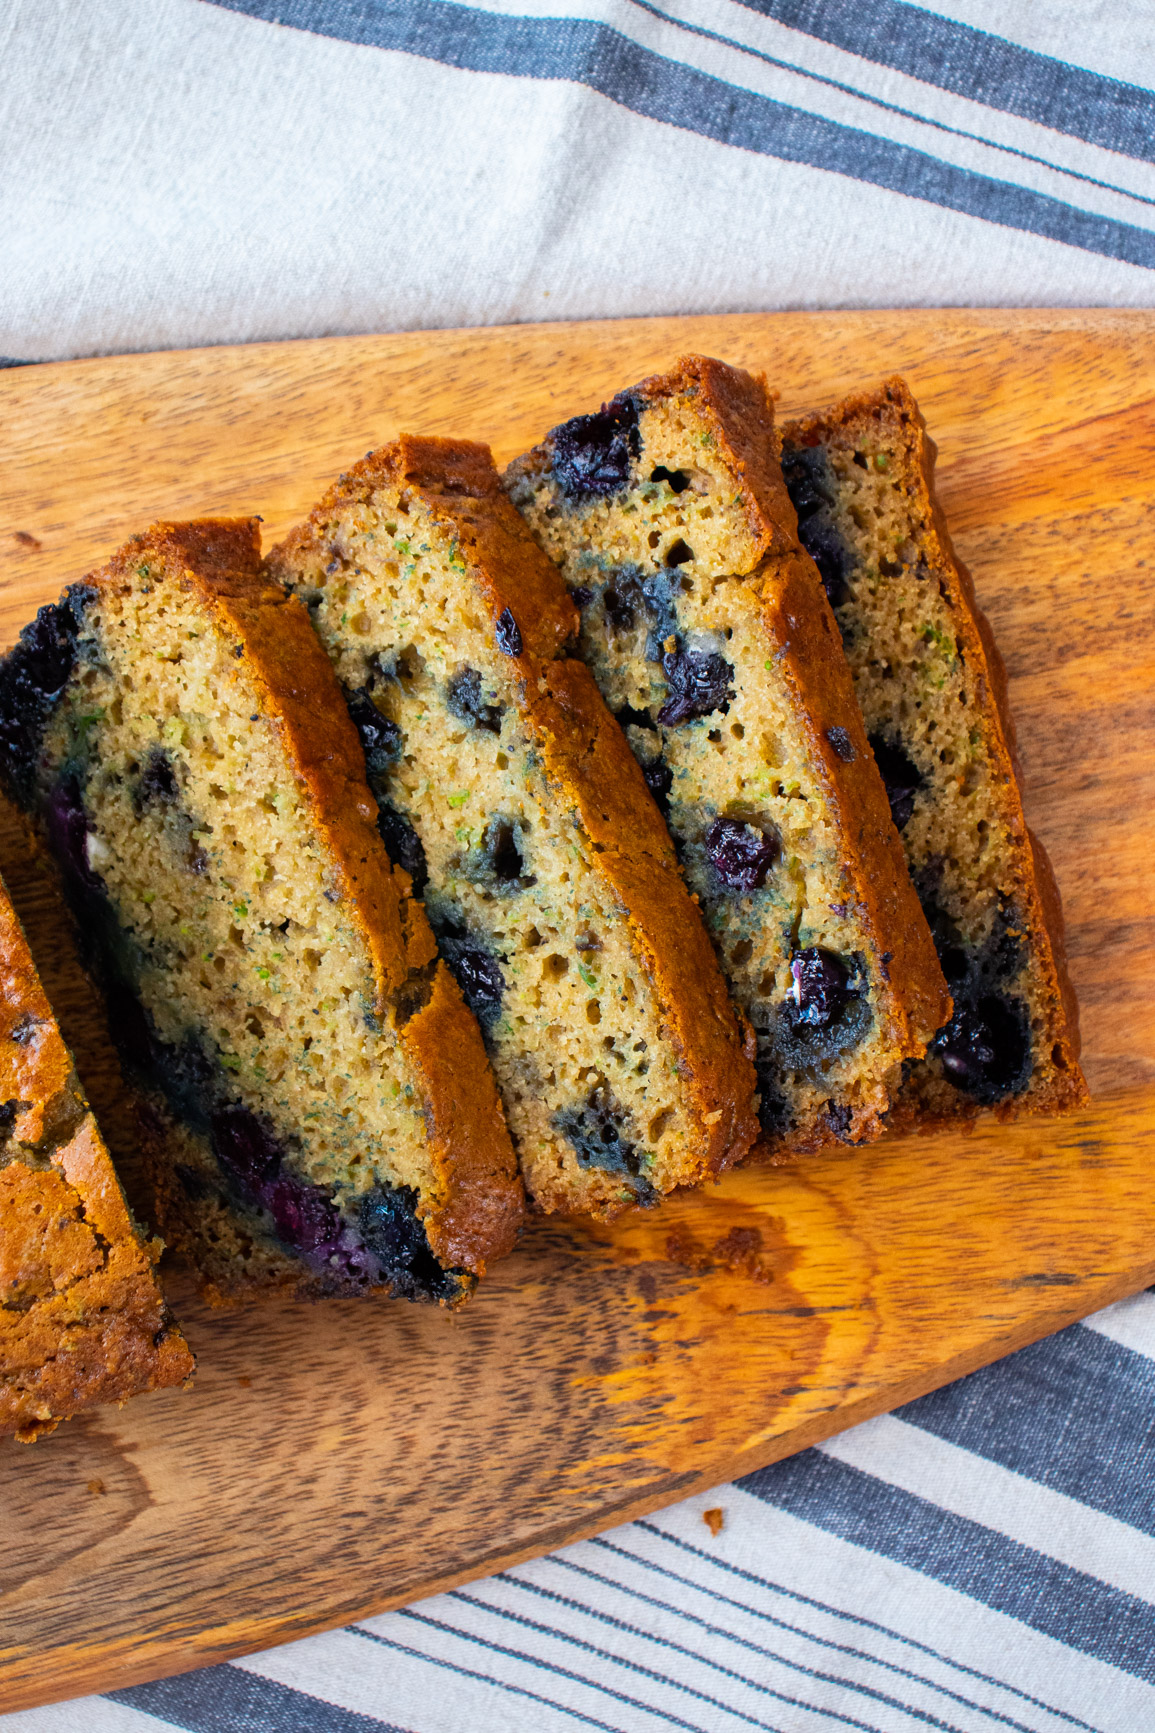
pixel 814 1637
pixel 869 97
pixel 13 361
pixel 1052 1598
pixel 1075 1412
pixel 227 1700
pixel 986 68
pixel 642 1671
pixel 890 1631
pixel 530 1661
pixel 703 1660
pixel 584 52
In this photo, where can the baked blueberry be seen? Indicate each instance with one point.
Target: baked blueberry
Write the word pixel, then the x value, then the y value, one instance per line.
pixel 508 633
pixel 157 780
pixel 900 777
pixel 391 1232
pixel 699 682
pixel 659 780
pixel 830 554
pixel 593 454
pixel 740 852
pixel 820 987
pixel 985 1048
pixel 35 673
pixel 402 844
pixel 842 744
pixel 380 737
pixel 465 701
pixel 477 970
pixel 246 1148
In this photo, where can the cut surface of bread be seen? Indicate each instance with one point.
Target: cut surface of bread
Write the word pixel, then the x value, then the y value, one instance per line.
pixel 931 687
pixel 509 794
pixel 318 1113
pixel 706 628
pixel 82 1318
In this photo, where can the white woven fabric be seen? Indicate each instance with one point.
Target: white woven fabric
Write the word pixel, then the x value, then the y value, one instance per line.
pixel 180 173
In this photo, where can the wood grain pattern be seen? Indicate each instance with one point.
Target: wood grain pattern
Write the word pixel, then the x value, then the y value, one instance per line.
pixel 346 1458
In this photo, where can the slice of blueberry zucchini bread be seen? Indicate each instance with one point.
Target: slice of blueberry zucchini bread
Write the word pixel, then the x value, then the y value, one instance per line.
pixel 931 686
pixel 82 1319
pixel 508 793
pixel 318 1113
pixel 708 633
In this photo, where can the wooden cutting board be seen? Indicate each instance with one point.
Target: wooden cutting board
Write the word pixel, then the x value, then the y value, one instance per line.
pixel 337 1460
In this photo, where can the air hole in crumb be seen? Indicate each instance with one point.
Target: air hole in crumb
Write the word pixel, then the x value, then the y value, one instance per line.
pixel 593 1012
pixel 659 1124
pixel 555 967
pixel 767 985
pixel 738 731
pixel 742 952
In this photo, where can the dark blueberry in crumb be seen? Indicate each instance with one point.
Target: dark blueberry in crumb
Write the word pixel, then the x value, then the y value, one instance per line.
pixel 391 1231
pixel 619 609
pixel 478 973
pixel 773 1113
pixel 592 454
pixel 820 988
pixel 8 1112
pixel 304 1215
pixel 501 847
pixel 659 780
pixel 246 1148
pixel 699 684
pixel 660 592
pixel 901 779
pixel 402 844
pixel 380 737
pixel 67 824
pixel 840 1118
pixel 508 634
pixel 740 853
pixel 679 553
pixel 581 596
pixel 807 478
pixel 678 479
pixel 829 553
pixel 157 780
pixel 595 1131
pixel 25 1031
pixel 985 1048
pixel 842 744
pixel 32 680
pixel 464 700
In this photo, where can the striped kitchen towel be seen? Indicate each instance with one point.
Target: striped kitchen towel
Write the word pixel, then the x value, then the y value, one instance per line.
pixel 178 173
pixel 983 1560
pixel 181 172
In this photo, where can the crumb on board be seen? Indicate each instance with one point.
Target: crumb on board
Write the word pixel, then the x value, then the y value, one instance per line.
pixel 715 1519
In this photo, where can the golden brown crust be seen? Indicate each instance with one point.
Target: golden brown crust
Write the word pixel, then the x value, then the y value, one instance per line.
pixel 739 412
pixel 799 620
pixel 219 559
pixel 894 405
pixel 82 1319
